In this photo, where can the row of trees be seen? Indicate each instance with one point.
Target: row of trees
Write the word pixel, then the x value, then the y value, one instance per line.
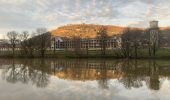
pixel 37 43
pixel 27 71
pixel 28 44
pixel 101 35
pixel 132 41
pixel 133 72
pixel 135 39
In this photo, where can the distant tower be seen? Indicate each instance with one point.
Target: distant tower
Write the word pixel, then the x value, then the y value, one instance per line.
pixel 153 36
pixel 154 24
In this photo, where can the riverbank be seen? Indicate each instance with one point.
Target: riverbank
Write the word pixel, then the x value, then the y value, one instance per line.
pixel 114 54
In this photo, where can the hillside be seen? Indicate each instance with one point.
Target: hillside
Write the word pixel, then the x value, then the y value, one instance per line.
pixel 90 30
pixel 85 30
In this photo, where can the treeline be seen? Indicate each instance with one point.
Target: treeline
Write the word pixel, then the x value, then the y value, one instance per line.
pixel 38 44
pixel 131 73
pixel 133 40
pixel 29 45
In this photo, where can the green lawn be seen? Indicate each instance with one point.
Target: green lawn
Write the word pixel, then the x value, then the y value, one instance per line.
pixel 142 53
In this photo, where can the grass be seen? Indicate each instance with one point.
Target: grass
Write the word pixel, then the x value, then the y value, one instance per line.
pixel 142 54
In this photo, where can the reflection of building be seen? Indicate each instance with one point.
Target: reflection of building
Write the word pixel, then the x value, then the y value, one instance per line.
pixel 128 73
pixel 91 43
pixel 84 71
pixel 154 77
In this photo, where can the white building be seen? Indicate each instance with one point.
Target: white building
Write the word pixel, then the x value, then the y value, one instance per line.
pixel 61 43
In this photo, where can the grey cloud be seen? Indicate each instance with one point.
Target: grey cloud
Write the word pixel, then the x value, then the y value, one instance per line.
pixel 52 13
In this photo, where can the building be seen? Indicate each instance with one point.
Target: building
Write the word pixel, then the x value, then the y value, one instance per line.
pixel 114 42
pixel 154 33
pixel 61 43
pixel 5 45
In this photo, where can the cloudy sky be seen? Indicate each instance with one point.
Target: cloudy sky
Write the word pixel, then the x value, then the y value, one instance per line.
pixel 30 14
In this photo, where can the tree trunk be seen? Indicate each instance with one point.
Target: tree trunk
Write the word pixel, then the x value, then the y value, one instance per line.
pixel 54 46
pixel 87 50
pixel 136 52
pixel 42 53
pixel 13 50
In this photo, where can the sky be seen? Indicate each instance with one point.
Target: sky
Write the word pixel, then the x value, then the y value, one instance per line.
pixel 28 15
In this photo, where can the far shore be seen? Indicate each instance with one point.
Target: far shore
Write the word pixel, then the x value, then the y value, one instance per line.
pixel 162 53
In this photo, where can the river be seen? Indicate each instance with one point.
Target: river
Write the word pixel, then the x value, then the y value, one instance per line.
pixel 84 79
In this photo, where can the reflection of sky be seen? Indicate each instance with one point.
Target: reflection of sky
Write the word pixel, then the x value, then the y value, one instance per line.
pixel 30 14
pixel 77 90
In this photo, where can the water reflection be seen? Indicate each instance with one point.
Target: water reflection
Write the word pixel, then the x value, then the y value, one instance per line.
pixel 34 71
pixel 130 73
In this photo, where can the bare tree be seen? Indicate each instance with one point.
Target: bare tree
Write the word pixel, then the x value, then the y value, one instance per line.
pixel 31 44
pixel 24 41
pixel 136 40
pixel 77 45
pixel 103 37
pixel 126 43
pixel 87 45
pixel 13 38
pixel 54 43
pixel 84 29
pixel 154 40
pixel 131 41
pixel 43 40
pixel 76 39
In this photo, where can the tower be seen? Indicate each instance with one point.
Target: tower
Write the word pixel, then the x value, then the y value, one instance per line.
pixel 154 33
pixel 154 24
pixel 153 37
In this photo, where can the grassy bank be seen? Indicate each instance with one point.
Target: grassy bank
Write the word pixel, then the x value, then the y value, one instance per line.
pixel 162 53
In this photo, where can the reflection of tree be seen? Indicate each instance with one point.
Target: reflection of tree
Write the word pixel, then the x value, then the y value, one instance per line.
pixel 135 74
pixel 103 81
pixel 22 72
pixel 40 77
pixel 10 74
pixel 16 72
pixel 131 73
pixel 154 76
pixel 130 79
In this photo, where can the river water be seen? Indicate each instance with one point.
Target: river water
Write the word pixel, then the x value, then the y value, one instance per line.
pixel 85 79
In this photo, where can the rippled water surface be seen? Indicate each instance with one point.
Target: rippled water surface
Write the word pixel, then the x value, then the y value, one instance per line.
pixel 64 79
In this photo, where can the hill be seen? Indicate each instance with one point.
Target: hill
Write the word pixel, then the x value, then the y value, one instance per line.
pixel 85 30
pixel 90 30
